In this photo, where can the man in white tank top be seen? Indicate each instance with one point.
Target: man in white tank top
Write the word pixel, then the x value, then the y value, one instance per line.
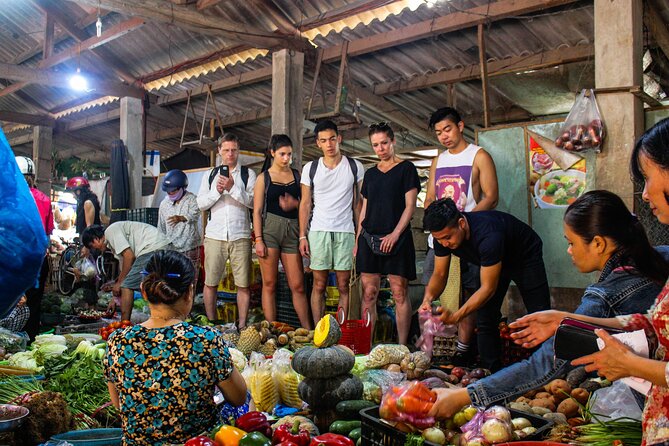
pixel 466 173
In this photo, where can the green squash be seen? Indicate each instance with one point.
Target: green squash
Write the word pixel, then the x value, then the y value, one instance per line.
pixel 326 362
pixel 324 394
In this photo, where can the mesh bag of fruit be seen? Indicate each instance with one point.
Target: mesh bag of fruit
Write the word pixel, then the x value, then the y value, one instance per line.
pixel 583 129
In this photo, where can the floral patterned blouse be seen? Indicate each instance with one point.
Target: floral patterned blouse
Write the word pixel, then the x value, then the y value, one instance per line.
pixel 166 379
pixel 656 325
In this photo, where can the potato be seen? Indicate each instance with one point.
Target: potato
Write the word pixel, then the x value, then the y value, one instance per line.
pixel 580 395
pixel 559 388
pixel 557 418
pixel 543 402
pixel 569 408
pixel 531 394
pixel 542 395
pixel 523 407
pixel 523 399
pixel 541 411
pixel 393 368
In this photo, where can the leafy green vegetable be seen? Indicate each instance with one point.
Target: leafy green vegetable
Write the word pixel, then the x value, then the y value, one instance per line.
pixel 414 440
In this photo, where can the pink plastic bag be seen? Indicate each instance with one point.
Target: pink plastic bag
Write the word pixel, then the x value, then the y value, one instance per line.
pixel 431 326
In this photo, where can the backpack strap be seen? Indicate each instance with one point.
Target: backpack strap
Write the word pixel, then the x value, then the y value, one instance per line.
pixel 244 171
pixel 268 179
pixel 212 175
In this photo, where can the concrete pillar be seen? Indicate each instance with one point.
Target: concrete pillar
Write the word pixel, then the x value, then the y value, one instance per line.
pixel 132 134
pixel 43 157
pixel 287 98
pixel 618 54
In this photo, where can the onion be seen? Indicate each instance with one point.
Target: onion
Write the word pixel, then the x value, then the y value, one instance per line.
pixel 434 435
pixel 520 423
pixel 497 412
pixel 477 441
pixel 496 431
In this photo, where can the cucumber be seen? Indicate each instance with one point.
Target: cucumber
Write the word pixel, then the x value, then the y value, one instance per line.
pixel 355 434
pixel 350 409
pixel 344 427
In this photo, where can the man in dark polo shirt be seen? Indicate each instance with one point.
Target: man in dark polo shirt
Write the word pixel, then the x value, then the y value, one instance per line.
pixel 506 249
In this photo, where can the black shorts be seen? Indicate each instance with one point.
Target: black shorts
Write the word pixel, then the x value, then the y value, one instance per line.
pixel 402 264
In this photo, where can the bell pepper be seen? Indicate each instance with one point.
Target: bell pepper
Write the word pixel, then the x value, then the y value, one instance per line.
pixel 254 422
pixel 331 440
pixel 228 436
pixel 286 432
pixel 287 443
pixel 255 439
pixel 200 441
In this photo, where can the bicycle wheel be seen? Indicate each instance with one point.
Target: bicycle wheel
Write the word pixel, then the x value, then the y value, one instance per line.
pixel 66 278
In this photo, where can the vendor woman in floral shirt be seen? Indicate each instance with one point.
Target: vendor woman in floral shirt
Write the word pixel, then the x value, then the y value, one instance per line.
pixel 650 164
pixel 179 216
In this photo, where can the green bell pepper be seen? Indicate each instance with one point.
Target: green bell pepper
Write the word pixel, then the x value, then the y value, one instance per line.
pixel 255 439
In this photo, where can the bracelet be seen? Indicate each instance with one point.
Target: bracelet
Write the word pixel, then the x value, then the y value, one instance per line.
pixel 304 237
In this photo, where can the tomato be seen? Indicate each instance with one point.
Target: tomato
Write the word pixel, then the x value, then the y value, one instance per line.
pixel 115 325
pixel 126 323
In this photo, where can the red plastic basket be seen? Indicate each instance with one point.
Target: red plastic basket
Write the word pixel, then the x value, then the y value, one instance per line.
pixel 356 334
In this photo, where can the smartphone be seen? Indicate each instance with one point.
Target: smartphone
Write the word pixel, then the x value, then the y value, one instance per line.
pixel 225 171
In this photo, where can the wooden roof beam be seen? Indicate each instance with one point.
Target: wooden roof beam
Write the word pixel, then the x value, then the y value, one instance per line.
pixel 454 21
pixel 107 36
pixel 102 54
pixel 204 4
pixel 26 118
pixel 46 77
pixel 277 16
pixel 185 17
pixel 517 64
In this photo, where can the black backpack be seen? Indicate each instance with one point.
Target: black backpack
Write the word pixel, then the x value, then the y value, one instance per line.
pixel 354 170
pixel 245 179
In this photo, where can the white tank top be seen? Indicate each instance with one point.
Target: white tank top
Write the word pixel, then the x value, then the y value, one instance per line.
pixel 453 178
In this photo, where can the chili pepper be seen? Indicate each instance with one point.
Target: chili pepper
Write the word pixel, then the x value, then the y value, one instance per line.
pixel 254 422
pixel 200 441
pixel 228 436
pixel 331 440
pixel 255 439
pixel 286 432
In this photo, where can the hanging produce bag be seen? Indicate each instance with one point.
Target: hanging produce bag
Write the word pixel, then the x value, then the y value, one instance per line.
pixel 23 241
pixel 583 129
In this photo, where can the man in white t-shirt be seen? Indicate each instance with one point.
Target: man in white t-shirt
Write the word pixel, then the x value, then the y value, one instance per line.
pixel 132 243
pixel 329 240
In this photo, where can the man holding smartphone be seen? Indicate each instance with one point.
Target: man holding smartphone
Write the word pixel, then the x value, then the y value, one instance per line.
pixel 227 193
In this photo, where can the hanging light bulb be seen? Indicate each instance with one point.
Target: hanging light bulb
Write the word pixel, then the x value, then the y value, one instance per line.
pixel 78 82
pixel 98 27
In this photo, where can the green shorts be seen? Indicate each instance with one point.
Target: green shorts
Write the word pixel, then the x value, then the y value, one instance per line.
pixel 331 250
pixel 281 233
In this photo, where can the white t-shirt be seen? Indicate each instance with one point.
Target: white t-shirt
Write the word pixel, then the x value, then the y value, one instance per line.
pixel 333 195
pixel 141 238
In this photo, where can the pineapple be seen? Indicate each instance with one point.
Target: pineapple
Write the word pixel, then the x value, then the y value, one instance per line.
pixel 268 349
pixel 231 337
pixel 249 340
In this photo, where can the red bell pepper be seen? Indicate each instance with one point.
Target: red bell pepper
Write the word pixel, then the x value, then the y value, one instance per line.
pixel 286 443
pixel 286 432
pixel 200 441
pixel 254 422
pixel 331 440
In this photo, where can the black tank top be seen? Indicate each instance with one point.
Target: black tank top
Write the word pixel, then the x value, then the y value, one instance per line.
pixel 81 212
pixel 274 191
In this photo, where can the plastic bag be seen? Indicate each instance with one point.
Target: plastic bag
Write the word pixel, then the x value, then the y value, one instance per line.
pixel 376 382
pixel 408 403
pixel 23 241
pixel 615 401
pixel 260 381
pixel 384 354
pixel 87 268
pixel 13 342
pixel 287 379
pixel 488 427
pixel 583 129
pixel 431 326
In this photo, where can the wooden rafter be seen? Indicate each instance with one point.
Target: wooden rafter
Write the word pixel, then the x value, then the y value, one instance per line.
pixel 483 63
pixel 47 50
pixel 102 55
pixel 454 21
pixel 516 64
pixel 343 12
pixel 204 4
pixel 658 29
pixel 26 118
pixel 46 77
pixel 277 17
pixel 194 20
pixel 91 43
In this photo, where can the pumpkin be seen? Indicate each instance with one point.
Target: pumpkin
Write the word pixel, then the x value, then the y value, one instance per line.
pixel 415 364
pixel 326 362
pixel 327 332
pixel 324 394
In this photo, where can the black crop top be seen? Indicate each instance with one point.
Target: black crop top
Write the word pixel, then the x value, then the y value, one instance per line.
pixel 274 191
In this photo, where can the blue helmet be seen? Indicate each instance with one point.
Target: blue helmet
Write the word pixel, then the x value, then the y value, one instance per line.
pixel 174 179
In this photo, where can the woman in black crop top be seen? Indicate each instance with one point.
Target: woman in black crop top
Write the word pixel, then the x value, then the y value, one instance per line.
pixel 275 207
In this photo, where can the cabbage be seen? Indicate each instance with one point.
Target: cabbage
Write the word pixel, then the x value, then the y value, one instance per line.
pixel 238 359
pixel 25 360
pixel 51 349
pixel 48 339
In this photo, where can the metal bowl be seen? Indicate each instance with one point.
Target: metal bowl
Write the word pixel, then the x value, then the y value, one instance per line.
pixel 11 417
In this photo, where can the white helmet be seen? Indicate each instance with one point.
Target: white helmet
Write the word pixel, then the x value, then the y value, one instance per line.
pixel 26 165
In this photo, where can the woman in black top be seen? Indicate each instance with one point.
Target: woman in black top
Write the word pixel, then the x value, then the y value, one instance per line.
pixel 385 245
pixel 275 206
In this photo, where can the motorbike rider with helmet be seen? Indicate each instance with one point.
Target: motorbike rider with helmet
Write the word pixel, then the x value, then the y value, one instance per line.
pixel 179 216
